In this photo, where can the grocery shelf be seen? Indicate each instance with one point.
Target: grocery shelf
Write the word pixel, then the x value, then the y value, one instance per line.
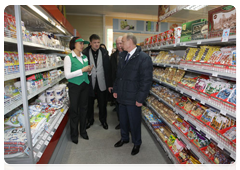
pixel 19 102
pixel 182 45
pixel 196 97
pixel 208 132
pixel 47 135
pixel 165 84
pixel 161 100
pixel 17 75
pixel 30 44
pixel 213 73
pixel 181 137
pixel 207 102
pixel 162 144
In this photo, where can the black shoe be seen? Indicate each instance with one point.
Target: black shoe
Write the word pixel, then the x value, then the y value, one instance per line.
pixel 135 149
pixel 88 125
pixel 120 143
pixel 75 141
pixel 85 137
pixel 105 125
pixel 117 127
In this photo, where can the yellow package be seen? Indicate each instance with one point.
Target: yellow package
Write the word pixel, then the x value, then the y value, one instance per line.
pixel 191 53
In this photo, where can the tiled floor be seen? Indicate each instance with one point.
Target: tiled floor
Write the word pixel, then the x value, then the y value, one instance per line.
pixel 99 149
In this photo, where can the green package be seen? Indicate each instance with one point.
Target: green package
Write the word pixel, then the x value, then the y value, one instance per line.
pixel 186 34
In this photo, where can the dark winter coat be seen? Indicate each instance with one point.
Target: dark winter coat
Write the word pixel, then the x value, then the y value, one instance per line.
pixel 113 67
pixel 134 78
pixel 106 67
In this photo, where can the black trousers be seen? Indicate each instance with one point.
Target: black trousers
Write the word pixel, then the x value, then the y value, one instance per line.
pixel 101 97
pixel 78 95
pixel 130 119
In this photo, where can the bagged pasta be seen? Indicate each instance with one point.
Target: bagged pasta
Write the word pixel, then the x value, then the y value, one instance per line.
pixel 198 110
pixel 171 140
pixel 232 97
pixel 208 115
pixel 224 93
pixel 177 146
pixel 200 84
pixel 234 57
pixel 177 77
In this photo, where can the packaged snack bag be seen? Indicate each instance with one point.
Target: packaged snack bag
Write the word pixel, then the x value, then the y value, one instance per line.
pixel 177 146
pixel 208 115
pixel 224 93
pixel 232 97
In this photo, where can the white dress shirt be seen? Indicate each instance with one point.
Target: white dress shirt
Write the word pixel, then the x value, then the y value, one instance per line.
pixel 131 53
pixel 68 65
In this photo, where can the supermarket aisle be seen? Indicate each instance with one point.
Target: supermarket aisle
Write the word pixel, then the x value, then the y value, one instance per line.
pixel 99 149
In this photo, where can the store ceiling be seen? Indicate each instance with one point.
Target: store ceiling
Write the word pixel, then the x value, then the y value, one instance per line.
pixel 137 11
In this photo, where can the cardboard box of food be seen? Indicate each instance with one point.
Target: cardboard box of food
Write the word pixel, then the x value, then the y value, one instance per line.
pixel 200 30
pixel 186 34
pixel 221 18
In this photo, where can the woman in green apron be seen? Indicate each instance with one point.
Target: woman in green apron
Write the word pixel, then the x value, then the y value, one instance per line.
pixel 76 70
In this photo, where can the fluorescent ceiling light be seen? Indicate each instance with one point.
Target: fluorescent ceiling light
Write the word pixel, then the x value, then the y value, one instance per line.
pixel 59 27
pixel 195 7
pixel 46 17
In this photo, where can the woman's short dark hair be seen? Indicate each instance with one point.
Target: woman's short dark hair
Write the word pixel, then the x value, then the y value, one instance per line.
pixel 104 46
pixel 94 37
pixel 72 43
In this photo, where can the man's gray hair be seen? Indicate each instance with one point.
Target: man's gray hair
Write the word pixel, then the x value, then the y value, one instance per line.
pixel 132 37
pixel 119 37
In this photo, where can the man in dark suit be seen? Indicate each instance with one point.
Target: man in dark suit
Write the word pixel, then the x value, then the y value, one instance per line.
pixel 99 80
pixel 134 79
pixel 114 59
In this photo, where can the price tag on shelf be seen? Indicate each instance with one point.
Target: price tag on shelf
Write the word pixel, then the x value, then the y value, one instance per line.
pixel 38 146
pixel 46 143
pixel 171 66
pixel 183 44
pixel 49 138
pixel 199 42
pixel 41 142
pixel 56 126
pixel 200 160
pixel 34 154
pixel 45 136
pixel 185 68
pixel 220 146
pixel 223 112
pixel 225 35
pixel 197 128
pixel 188 147
pixel 62 109
pixel 202 102
pixel 193 98
pixel 208 136
pixel 39 154
pixel 214 74
pixel 52 133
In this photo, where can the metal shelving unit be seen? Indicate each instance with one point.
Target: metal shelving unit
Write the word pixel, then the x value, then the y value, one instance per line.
pixel 26 14
pixel 181 137
pixel 162 144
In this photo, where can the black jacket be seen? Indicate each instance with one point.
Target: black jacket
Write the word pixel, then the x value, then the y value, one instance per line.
pixel 113 67
pixel 134 78
pixel 106 67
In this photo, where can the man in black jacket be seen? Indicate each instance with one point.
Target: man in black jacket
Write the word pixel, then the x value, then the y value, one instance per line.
pixel 99 80
pixel 114 59
pixel 134 79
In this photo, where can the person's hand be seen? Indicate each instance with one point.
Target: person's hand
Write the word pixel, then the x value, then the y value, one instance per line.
pixel 138 104
pixel 87 68
pixel 115 95
pixel 89 72
pixel 109 89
